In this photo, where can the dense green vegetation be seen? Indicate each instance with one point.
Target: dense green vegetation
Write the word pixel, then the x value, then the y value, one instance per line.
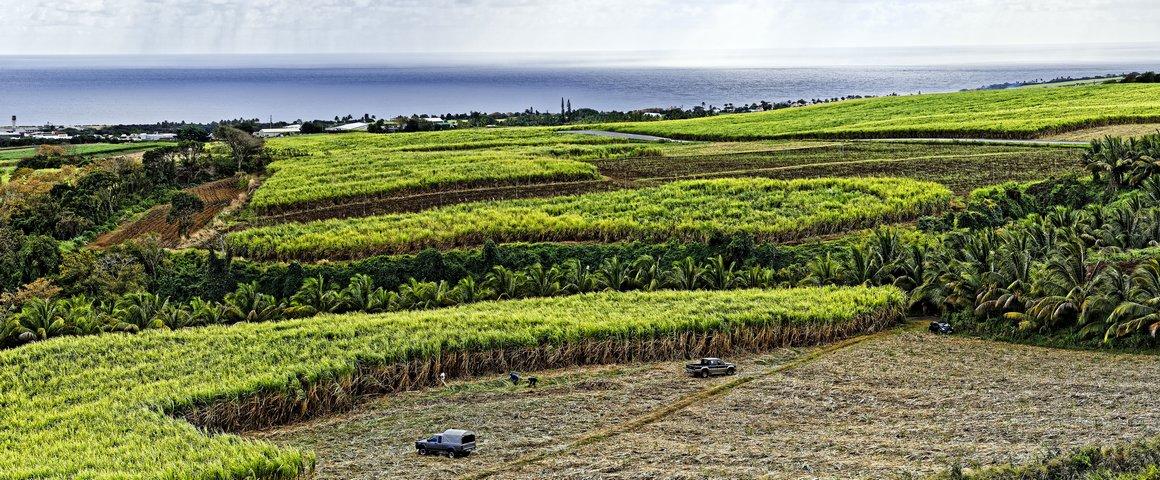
pixel 769 210
pixel 1033 276
pixel 105 414
pixel 1016 113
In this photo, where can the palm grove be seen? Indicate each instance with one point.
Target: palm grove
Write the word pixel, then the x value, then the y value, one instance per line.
pixel 1068 259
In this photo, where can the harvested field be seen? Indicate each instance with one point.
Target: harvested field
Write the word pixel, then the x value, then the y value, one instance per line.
pixel 423 201
pixel 216 195
pixel 1129 130
pixel 896 406
pixel 959 166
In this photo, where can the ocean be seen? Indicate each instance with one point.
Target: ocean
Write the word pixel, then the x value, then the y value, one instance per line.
pixel 108 90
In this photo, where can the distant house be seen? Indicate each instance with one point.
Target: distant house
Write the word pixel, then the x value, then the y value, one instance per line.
pixel 152 137
pixel 653 115
pixel 350 127
pixel 436 121
pixel 50 136
pixel 280 132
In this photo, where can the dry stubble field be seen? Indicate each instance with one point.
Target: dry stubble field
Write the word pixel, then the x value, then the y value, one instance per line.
pixel 901 405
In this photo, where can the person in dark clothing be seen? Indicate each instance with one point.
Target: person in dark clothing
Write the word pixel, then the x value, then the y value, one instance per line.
pixel 532 381
pixel 514 377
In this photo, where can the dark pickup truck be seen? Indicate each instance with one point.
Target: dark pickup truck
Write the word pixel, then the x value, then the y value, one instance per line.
pixel 710 366
pixel 453 443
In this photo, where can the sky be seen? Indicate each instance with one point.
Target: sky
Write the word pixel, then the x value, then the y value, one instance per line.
pixel 684 28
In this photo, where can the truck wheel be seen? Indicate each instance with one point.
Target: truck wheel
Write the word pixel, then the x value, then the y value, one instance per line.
pixel 704 373
pixel 423 452
pixel 730 371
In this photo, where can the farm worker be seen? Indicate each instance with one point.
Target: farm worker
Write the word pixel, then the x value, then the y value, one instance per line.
pixel 443 378
pixel 514 377
pixel 532 381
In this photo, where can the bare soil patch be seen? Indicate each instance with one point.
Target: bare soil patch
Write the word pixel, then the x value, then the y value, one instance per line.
pixel 216 195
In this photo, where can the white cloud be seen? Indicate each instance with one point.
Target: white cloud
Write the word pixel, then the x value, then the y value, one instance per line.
pixel 387 26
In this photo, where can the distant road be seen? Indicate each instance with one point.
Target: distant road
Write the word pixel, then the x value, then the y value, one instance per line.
pixel 626 136
pixel 986 141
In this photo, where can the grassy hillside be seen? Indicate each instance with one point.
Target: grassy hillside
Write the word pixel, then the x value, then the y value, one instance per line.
pixel 770 210
pixel 96 407
pixel 1016 113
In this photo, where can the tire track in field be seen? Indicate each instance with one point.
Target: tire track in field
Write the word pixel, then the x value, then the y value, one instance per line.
pixel 677 406
pixel 824 164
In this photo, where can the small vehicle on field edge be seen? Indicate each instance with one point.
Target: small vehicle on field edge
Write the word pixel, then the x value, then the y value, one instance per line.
pixel 454 443
pixel 710 366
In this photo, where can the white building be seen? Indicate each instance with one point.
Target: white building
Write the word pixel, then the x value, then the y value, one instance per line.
pixel 280 132
pixel 350 127
pixel 152 137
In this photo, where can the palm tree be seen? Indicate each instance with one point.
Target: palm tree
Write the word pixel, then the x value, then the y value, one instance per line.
pixel 718 274
pixel 1147 149
pixel 381 300
pixel 543 282
pixel 613 275
pixel 357 294
pixel 80 316
pixel 577 278
pixel 141 310
pixel 205 313
pixel 317 296
pixel 506 283
pixel 1141 311
pixel 1071 292
pixel 755 277
pixel 822 270
pixel 1111 157
pixel 247 304
pixel 41 318
pixel 685 274
pixel 469 291
pixel 648 273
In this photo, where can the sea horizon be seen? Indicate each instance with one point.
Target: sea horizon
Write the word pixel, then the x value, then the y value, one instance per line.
pixel 129 89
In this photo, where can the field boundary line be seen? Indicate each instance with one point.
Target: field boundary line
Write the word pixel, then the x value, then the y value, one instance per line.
pixel 684 402
pixel 812 165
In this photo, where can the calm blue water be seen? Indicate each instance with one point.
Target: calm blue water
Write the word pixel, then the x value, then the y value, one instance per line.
pixel 75 92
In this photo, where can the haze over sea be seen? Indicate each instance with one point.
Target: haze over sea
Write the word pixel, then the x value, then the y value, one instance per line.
pixel 73 90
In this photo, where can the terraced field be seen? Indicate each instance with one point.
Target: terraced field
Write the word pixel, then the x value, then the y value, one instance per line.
pixel 960 166
pixel 1015 113
pixel 338 169
pixel 106 414
pixel 770 210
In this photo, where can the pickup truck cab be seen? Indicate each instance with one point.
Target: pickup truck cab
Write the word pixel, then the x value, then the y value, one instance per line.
pixel 710 366
pixel 453 443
